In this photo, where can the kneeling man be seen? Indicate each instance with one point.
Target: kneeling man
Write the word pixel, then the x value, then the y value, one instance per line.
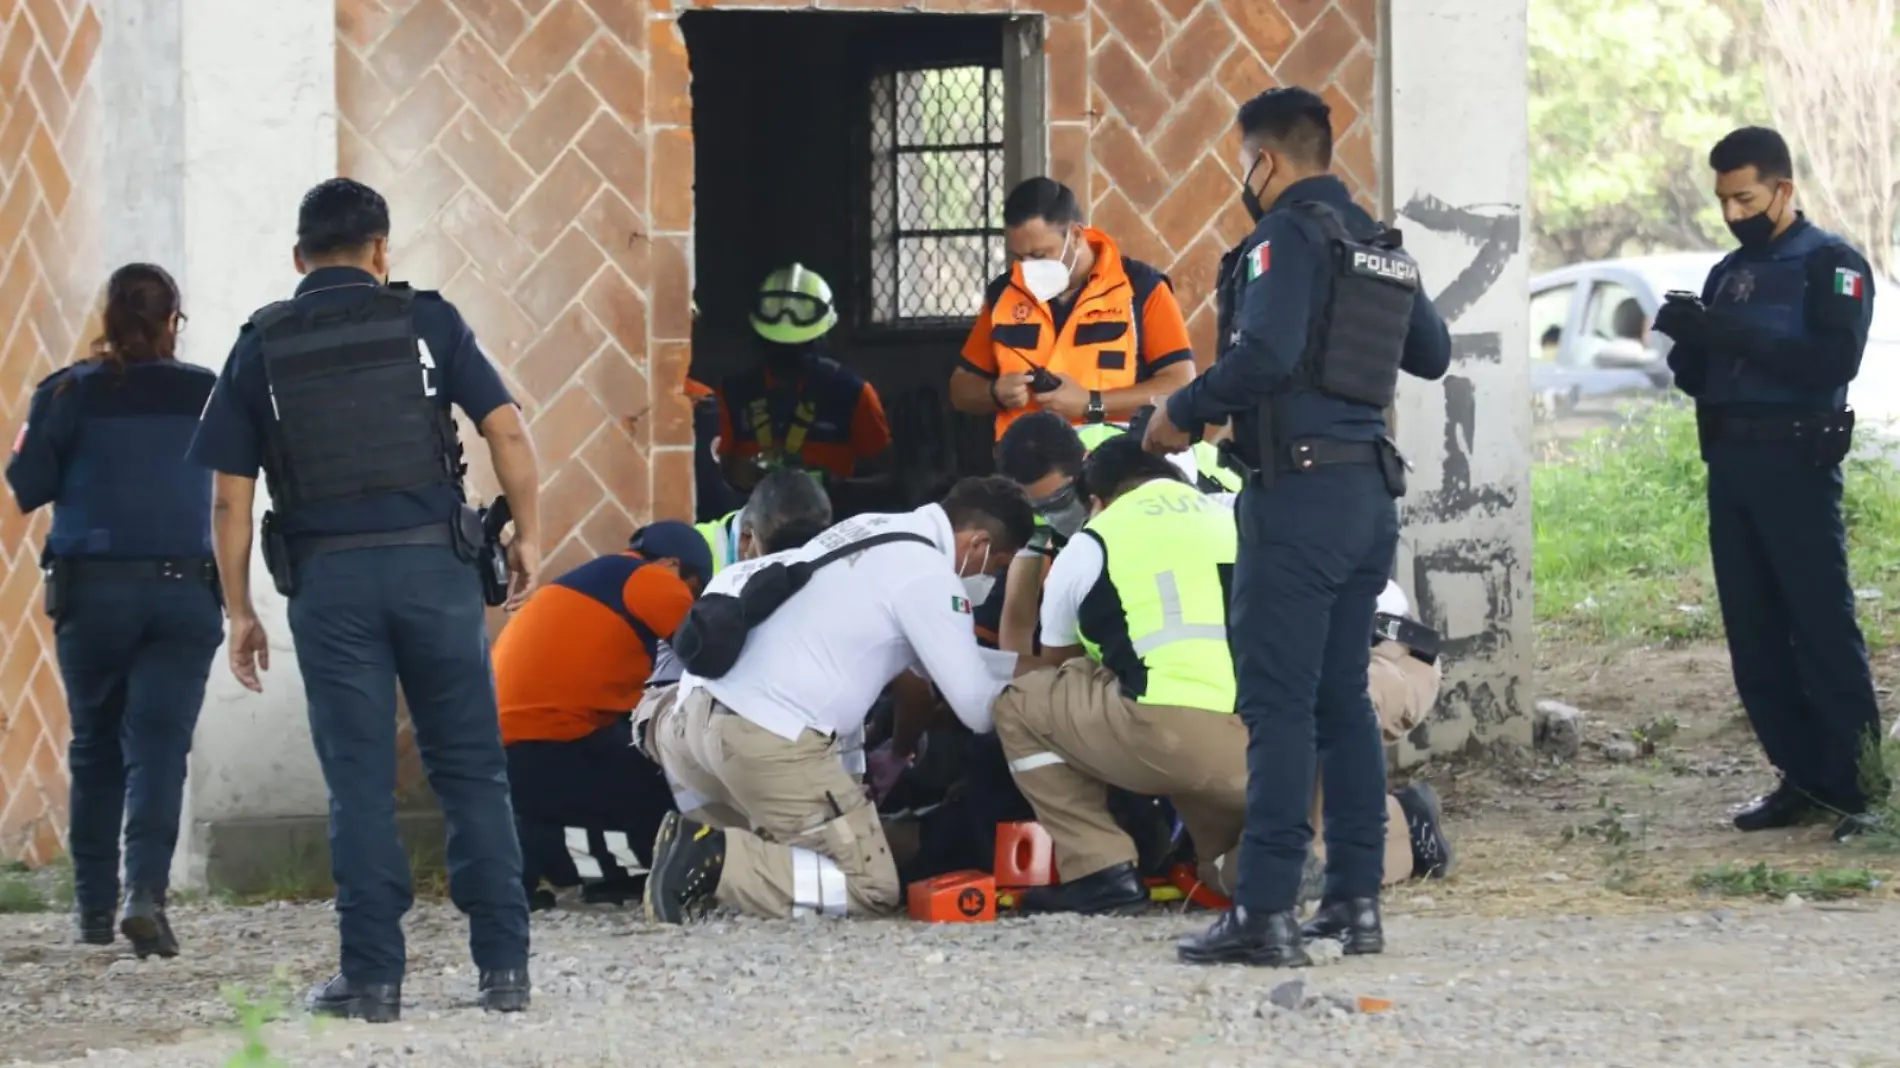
pixel 775 825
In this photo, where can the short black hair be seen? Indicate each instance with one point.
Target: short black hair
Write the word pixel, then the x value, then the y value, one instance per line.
pixel 1041 198
pixel 1753 146
pixel 1037 444
pixel 1120 462
pixel 341 215
pixel 994 505
pixel 1292 121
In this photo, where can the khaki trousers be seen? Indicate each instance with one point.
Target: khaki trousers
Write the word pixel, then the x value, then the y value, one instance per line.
pixel 1069 734
pixel 801 837
pixel 1404 689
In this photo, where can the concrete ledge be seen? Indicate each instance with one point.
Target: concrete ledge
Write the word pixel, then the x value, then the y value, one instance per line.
pixel 290 856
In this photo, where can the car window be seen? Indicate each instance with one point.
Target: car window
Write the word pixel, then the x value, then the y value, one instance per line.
pixel 1615 317
pixel 1549 316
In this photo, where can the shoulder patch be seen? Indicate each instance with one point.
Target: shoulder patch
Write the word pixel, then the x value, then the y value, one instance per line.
pixel 1850 283
pixel 1257 261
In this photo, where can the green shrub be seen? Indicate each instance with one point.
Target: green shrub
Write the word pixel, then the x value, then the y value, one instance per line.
pixel 1621 529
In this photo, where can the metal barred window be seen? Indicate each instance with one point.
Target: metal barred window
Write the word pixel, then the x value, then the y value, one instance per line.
pixel 936 194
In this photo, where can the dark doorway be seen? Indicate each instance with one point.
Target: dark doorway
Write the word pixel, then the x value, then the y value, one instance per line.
pixel 875 150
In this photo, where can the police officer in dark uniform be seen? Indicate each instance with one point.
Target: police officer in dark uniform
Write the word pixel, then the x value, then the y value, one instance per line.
pixel 132 592
pixel 341 395
pixel 1767 352
pixel 1319 311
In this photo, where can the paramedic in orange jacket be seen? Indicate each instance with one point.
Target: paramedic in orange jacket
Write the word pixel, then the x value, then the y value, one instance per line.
pixel 1105 325
pixel 569 668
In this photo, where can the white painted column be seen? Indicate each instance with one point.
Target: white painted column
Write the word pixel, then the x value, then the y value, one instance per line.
pixel 1458 122
pixel 255 127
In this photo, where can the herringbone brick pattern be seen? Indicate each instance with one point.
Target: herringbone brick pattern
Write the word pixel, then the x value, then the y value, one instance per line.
pixel 512 139
pixel 49 210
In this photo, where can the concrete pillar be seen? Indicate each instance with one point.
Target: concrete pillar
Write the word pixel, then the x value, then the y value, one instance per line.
pixel 1459 151
pixel 219 115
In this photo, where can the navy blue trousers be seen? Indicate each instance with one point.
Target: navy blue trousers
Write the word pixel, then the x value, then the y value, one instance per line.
pixel 1779 545
pixel 599 784
pixel 134 656
pixel 362 621
pixel 1315 551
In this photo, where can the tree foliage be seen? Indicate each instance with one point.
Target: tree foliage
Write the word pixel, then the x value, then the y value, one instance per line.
pixel 1627 96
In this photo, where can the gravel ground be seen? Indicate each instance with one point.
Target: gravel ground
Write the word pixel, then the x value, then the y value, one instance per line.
pixel 1780 985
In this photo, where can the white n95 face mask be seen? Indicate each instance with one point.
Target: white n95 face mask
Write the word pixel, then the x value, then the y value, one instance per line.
pixel 978 588
pixel 1046 279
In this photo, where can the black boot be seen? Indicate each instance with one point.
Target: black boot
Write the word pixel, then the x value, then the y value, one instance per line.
pixel 1113 891
pixel 94 928
pixel 1784 806
pixel 1263 939
pixel 687 859
pixel 1431 850
pixel 505 990
pixel 1352 922
pixel 369 1002
pixel 143 923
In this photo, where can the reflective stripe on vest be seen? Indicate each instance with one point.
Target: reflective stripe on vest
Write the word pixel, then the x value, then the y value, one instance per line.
pixel 1099 344
pixel 760 416
pixel 353 399
pixel 1165 546
pixel 722 538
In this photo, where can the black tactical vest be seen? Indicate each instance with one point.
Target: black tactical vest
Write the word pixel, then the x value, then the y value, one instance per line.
pixel 351 393
pixel 1354 346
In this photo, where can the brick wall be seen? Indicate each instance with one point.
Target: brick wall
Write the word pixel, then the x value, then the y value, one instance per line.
pixel 538 155
pixel 49 209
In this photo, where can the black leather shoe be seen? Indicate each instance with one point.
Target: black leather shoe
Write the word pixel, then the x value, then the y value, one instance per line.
pixel 1262 939
pixel 1113 891
pixel 143 923
pixel 369 1002
pixel 1784 806
pixel 505 990
pixel 1425 826
pixel 95 928
pixel 1352 922
pixel 687 859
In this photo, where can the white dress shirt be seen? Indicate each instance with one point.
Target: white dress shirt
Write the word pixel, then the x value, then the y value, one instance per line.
pixel 821 660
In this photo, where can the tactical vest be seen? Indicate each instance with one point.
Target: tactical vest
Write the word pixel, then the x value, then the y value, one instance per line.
pixel 1211 476
pixel 1158 616
pixel 1355 345
pixel 128 490
pixel 722 537
pixel 352 389
pixel 1768 296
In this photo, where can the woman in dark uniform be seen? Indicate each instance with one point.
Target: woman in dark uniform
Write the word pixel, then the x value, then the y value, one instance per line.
pixel 132 592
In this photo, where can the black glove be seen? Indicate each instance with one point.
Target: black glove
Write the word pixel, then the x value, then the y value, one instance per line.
pixel 1684 319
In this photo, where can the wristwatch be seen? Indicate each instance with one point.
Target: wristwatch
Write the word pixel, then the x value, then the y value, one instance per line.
pixel 1095 412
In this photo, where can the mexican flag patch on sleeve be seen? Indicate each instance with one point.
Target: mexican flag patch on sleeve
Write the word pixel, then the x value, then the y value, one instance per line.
pixel 960 604
pixel 1257 260
pixel 1849 283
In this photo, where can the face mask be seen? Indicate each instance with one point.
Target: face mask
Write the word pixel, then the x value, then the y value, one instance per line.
pixel 1757 230
pixel 1250 199
pixel 1046 279
pixel 978 586
pixel 1065 512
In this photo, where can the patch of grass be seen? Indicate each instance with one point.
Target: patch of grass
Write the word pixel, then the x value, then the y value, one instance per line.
pixel 1764 880
pixel 1623 837
pixel 1621 535
pixel 253 1013
pixel 44 889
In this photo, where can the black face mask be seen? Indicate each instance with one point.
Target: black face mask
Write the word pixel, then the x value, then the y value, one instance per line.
pixel 785 360
pixel 1250 199
pixel 1755 231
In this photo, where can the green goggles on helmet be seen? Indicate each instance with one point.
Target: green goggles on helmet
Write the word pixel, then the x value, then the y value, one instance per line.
pixel 785 306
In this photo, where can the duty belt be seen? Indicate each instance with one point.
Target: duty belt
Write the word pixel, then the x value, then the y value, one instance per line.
pixel 196 569
pixel 1309 453
pixel 303 548
pixel 1768 429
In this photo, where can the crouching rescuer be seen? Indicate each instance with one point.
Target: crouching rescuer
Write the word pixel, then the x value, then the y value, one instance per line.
pixel 784 657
